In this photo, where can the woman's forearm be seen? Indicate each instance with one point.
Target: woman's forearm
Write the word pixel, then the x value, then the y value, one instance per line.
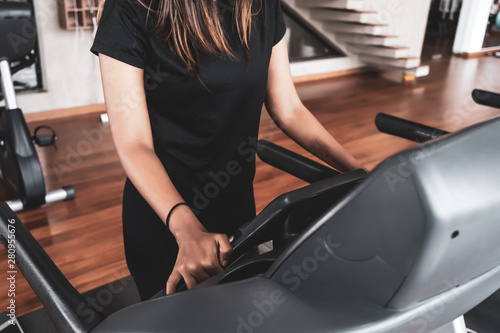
pixel 148 175
pixel 308 132
pixel 284 105
pixel 130 125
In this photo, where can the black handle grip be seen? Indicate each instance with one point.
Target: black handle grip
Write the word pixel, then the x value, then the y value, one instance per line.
pixel 293 163
pixel 406 129
pixel 487 98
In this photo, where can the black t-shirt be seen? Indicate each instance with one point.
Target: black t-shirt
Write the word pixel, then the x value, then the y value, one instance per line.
pixel 205 138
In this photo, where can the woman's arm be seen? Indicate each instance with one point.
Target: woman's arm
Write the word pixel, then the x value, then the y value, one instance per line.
pixel 201 254
pixel 288 112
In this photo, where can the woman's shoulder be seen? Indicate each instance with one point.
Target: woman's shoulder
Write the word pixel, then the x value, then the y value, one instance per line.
pixel 271 4
pixel 126 4
pixel 271 8
pixel 124 8
pixel 122 32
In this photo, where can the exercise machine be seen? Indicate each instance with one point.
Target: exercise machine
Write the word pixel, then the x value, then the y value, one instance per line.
pixel 420 133
pixel 486 98
pixel 407 129
pixel 481 318
pixel 410 247
pixel 289 214
pixel 19 163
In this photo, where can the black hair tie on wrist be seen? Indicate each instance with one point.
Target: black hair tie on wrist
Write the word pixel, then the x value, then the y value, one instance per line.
pixel 171 211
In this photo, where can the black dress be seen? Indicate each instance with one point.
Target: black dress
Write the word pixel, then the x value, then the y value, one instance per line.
pixel 204 136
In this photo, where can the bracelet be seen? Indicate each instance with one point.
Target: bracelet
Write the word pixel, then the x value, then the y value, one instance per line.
pixel 171 210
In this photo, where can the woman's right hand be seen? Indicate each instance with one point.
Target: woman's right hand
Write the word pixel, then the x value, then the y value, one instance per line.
pixel 201 254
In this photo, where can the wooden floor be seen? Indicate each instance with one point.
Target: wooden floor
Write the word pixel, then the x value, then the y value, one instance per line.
pixel 83 236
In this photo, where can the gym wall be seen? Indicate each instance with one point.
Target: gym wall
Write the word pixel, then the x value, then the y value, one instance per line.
pixel 70 72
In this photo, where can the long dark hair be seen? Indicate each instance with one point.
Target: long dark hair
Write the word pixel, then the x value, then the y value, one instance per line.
pixel 193 26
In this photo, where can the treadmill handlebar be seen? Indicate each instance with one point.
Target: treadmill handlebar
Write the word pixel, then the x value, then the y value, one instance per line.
pixel 293 163
pixel 407 129
pixel 486 98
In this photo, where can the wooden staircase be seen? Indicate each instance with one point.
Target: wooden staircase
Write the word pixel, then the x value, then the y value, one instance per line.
pixel 383 33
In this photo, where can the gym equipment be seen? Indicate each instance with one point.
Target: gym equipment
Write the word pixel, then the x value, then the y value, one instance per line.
pixel 289 214
pixel 487 98
pixel 293 163
pixel 20 167
pixel 417 132
pixel 406 129
pixel 409 248
pixel 281 220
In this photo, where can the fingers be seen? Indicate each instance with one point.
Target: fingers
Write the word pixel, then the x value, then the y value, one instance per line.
pixel 201 273
pixel 191 277
pixel 199 260
pixel 173 281
pixel 225 250
pixel 190 281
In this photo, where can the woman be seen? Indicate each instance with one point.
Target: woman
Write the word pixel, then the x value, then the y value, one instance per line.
pixel 184 83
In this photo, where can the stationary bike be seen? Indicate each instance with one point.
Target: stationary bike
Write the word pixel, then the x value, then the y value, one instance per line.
pixel 20 167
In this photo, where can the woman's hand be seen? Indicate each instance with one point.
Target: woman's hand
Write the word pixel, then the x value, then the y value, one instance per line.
pixel 201 254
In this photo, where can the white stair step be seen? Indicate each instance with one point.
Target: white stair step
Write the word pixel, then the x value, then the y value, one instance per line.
pixel 347 16
pixel 420 71
pixel 354 28
pixel 381 51
pixel 397 63
pixel 338 4
pixel 405 75
pixel 358 39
